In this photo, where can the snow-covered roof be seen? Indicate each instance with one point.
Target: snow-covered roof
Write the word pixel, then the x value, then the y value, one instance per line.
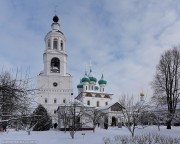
pixel 108 106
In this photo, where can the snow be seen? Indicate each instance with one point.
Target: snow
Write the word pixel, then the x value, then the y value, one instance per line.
pixel 59 137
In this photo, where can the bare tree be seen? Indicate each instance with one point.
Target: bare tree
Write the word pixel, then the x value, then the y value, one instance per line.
pixel 15 92
pixel 64 116
pixel 166 82
pixel 95 116
pixel 132 113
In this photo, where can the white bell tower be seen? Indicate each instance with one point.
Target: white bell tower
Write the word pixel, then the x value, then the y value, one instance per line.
pixel 55 57
pixel 54 83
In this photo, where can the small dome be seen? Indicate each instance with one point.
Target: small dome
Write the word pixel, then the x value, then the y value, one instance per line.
pixel 102 81
pixel 85 78
pixel 96 87
pixel 91 77
pixel 141 94
pixel 55 19
pixel 80 86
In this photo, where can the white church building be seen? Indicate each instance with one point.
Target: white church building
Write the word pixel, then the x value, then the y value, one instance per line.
pixel 54 83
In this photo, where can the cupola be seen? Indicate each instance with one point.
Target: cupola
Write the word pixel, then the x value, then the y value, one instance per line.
pixel 102 81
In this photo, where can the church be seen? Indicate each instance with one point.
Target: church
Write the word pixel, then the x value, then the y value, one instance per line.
pixel 55 83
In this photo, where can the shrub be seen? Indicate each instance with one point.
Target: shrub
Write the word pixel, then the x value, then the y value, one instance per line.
pixel 142 139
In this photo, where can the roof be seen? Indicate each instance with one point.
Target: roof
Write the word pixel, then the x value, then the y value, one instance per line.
pixel 108 106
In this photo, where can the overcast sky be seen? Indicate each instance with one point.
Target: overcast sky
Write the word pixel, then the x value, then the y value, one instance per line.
pixel 123 39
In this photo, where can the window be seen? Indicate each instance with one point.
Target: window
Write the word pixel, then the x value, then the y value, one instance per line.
pixel 92 87
pixel 55 44
pixel 49 43
pixel 55 100
pixel 106 103
pixel 45 100
pixel 86 87
pixel 64 100
pixel 55 65
pixel 54 111
pixel 97 103
pixel 103 89
pixel 61 45
pixel 88 102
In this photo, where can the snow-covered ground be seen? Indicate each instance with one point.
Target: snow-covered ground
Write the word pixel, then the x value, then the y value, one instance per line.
pixel 58 137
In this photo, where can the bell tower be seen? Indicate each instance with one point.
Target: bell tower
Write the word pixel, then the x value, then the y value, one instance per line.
pixel 55 57
pixel 54 83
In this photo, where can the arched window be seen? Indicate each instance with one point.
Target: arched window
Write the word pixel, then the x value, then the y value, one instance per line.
pixel 45 100
pixel 62 45
pixel 97 103
pixel 86 87
pixel 49 43
pixel 55 100
pixel 88 102
pixel 55 43
pixel 106 103
pixel 55 65
pixel 91 87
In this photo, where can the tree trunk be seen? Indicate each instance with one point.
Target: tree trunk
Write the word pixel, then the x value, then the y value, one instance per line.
pixel 169 124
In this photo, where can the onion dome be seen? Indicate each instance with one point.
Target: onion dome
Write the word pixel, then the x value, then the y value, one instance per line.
pixel 141 94
pixel 96 87
pixel 102 81
pixel 80 85
pixel 91 77
pixel 85 78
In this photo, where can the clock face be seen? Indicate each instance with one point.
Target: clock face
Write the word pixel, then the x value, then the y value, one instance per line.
pixel 55 84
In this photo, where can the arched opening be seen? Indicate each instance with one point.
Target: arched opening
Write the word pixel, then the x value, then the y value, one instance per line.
pixel 55 43
pixel 55 65
pixel 114 121
pixel 49 43
pixel 62 45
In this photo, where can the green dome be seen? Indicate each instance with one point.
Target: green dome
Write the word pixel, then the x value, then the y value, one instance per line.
pixel 85 79
pixel 91 77
pixel 96 87
pixel 79 86
pixel 102 81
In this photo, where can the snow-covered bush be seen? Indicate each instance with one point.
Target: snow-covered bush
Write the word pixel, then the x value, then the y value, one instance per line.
pixel 142 139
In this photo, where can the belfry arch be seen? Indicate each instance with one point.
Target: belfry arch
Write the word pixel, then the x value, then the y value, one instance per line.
pixel 55 65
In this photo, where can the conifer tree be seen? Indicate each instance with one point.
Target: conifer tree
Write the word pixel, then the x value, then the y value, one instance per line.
pixel 42 119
